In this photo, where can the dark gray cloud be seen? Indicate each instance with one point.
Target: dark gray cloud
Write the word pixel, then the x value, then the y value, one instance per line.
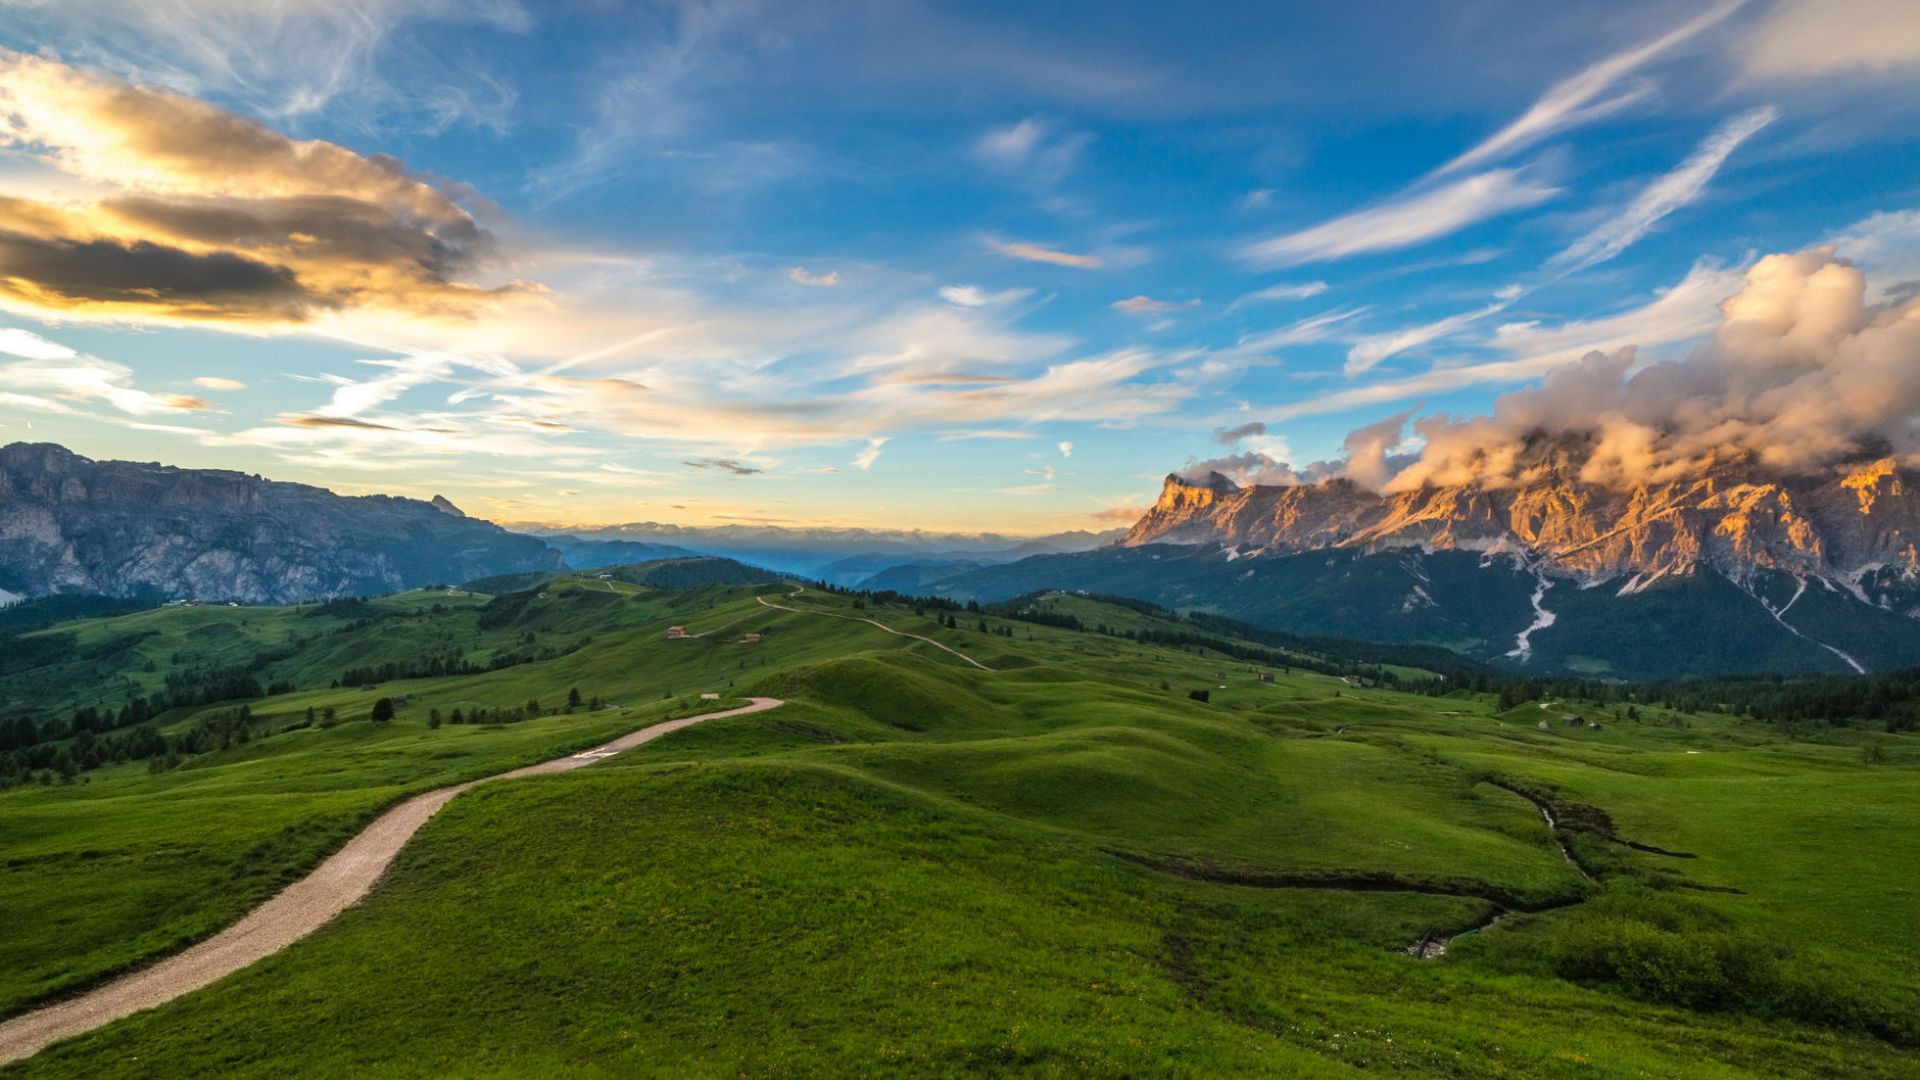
pixel 307 420
pixel 1245 469
pixel 1232 435
pixel 229 220
pixel 328 227
pixel 724 464
pixel 62 272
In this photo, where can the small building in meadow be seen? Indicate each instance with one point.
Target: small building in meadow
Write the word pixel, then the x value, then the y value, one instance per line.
pixel 675 633
pixel 751 639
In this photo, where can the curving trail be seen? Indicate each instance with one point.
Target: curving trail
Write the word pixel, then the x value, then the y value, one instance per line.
pixel 297 911
pixel 874 622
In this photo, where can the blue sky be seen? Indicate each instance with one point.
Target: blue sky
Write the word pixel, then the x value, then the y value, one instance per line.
pixel 893 264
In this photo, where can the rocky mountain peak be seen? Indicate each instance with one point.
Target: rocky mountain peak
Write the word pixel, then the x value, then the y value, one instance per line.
pixel 69 524
pixel 1848 527
pixel 1179 493
pixel 1872 481
pixel 445 506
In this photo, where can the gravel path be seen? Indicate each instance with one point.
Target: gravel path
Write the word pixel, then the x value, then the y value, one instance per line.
pixel 300 909
pixel 875 622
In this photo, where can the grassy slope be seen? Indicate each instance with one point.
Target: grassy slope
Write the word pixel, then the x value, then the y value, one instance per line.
pixel 908 867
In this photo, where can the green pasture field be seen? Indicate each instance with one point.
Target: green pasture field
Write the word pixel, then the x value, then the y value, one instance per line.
pixel 1060 866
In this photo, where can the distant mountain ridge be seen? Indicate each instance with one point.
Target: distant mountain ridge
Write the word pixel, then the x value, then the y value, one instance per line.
pixel 842 556
pixel 1728 567
pixel 70 524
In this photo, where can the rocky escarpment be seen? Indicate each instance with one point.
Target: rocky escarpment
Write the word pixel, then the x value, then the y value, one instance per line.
pixel 69 524
pixel 1854 528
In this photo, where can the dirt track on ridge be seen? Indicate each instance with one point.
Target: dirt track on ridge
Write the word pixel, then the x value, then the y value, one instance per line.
pixel 878 623
pixel 298 910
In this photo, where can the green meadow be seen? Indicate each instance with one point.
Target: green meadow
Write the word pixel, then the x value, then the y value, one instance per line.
pixel 1064 865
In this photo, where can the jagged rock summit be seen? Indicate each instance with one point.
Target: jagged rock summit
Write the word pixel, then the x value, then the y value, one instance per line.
pixel 1853 527
pixel 69 524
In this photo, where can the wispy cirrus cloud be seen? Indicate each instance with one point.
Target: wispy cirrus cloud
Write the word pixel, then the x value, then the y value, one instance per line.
pixel 1679 188
pixel 1598 91
pixel 352 397
pixel 1147 305
pixel 869 454
pixel 1037 147
pixel 1688 310
pixel 53 377
pixel 1368 351
pixel 1052 256
pixel 1305 331
pixel 988 433
pixel 78 379
pixel 1405 220
pixel 289 58
pixel 1280 293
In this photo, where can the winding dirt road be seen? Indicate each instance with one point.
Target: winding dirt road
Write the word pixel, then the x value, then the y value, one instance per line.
pixel 297 911
pixel 873 622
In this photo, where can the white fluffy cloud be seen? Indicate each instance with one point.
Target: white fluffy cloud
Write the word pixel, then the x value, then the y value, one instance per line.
pixel 1801 371
pixel 800 275
pixel 973 296
pixel 17 342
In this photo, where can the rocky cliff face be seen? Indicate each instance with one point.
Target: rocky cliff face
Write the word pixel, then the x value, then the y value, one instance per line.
pixel 1854 528
pixel 69 524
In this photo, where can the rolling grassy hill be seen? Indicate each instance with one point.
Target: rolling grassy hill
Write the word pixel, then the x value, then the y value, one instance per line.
pixel 1063 864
